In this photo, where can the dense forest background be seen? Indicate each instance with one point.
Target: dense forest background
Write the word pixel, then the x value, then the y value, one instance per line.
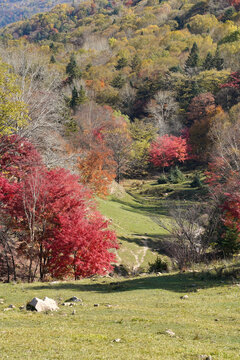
pixel 15 10
pixel 127 89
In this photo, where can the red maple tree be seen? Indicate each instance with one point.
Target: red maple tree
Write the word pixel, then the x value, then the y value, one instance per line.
pixel 168 150
pixel 224 184
pixel 56 223
pixel 233 81
pixel 17 156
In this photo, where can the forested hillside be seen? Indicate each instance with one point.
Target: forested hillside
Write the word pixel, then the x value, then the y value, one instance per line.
pixel 15 10
pixel 123 89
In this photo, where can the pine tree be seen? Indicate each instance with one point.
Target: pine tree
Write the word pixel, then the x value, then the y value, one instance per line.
pixel 136 62
pixel 218 61
pixel 208 62
pixel 122 62
pixel 72 69
pixel 52 59
pixel 193 58
pixel 78 97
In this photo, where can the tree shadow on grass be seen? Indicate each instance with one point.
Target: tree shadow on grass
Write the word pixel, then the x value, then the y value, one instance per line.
pixel 154 242
pixel 138 208
pixel 179 283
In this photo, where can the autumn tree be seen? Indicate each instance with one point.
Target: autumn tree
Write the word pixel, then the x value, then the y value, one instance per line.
pixel 17 156
pixel 13 112
pixel 163 109
pixel 142 134
pixel 168 150
pixel 119 141
pixel 56 224
pixel 97 168
pixel 40 91
pixel 103 142
pixel 200 107
pixel 223 177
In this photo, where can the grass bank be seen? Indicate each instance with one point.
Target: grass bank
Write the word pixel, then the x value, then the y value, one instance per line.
pixel 138 311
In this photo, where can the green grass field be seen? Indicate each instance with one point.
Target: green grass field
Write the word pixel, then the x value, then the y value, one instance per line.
pixel 133 216
pixel 142 309
pixel 137 310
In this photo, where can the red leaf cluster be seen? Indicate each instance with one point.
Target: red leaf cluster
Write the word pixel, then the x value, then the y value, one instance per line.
pixel 167 150
pixel 55 219
pixel 235 3
pixel 234 80
pixel 225 185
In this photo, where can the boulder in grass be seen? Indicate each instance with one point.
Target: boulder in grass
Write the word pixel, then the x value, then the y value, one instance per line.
pixel 73 299
pixel 40 305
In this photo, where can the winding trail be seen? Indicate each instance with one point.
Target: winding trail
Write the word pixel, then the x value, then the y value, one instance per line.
pixel 140 255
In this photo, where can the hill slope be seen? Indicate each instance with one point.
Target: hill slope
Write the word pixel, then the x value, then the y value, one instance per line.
pixel 15 10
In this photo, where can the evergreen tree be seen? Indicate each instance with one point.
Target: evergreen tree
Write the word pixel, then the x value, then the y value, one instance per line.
pixel 208 62
pixel 218 61
pixel 78 97
pixel 122 62
pixel 193 58
pixel 81 95
pixel 136 62
pixel 52 59
pixel 118 81
pixel 72 69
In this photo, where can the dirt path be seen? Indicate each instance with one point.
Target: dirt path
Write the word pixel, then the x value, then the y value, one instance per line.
pixel 140 255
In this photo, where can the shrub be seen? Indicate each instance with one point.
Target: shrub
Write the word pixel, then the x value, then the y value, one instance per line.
pixel 228 241
pixel 196 183
pixel 176 176
pixel 162 180
pixel 159 265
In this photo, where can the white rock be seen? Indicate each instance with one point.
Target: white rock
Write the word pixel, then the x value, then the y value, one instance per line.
pixel 170 333
pixel 40 305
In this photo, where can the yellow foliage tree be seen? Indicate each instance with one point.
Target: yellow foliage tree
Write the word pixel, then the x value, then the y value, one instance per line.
pixel 13 112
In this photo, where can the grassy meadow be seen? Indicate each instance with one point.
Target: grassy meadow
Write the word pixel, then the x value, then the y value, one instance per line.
pixel 132 314
pixel 133 217
pixel 137 311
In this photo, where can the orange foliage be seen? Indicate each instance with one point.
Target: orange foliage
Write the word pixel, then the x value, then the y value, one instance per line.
pixel 97 169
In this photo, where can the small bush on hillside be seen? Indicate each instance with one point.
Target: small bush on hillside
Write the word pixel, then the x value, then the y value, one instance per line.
pixel 159 265
pixel 196 183
pixel 176 176
pixel 162 180
pixel 228 241
pixel 121 270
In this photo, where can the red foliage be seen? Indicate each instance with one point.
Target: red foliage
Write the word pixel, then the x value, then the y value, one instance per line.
pixel 234 81
pixel 201 106
pixel 167 150
pixel 235 3
pixel 232 211
pixel 225 185
pixel 17 156
pixel 57 223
